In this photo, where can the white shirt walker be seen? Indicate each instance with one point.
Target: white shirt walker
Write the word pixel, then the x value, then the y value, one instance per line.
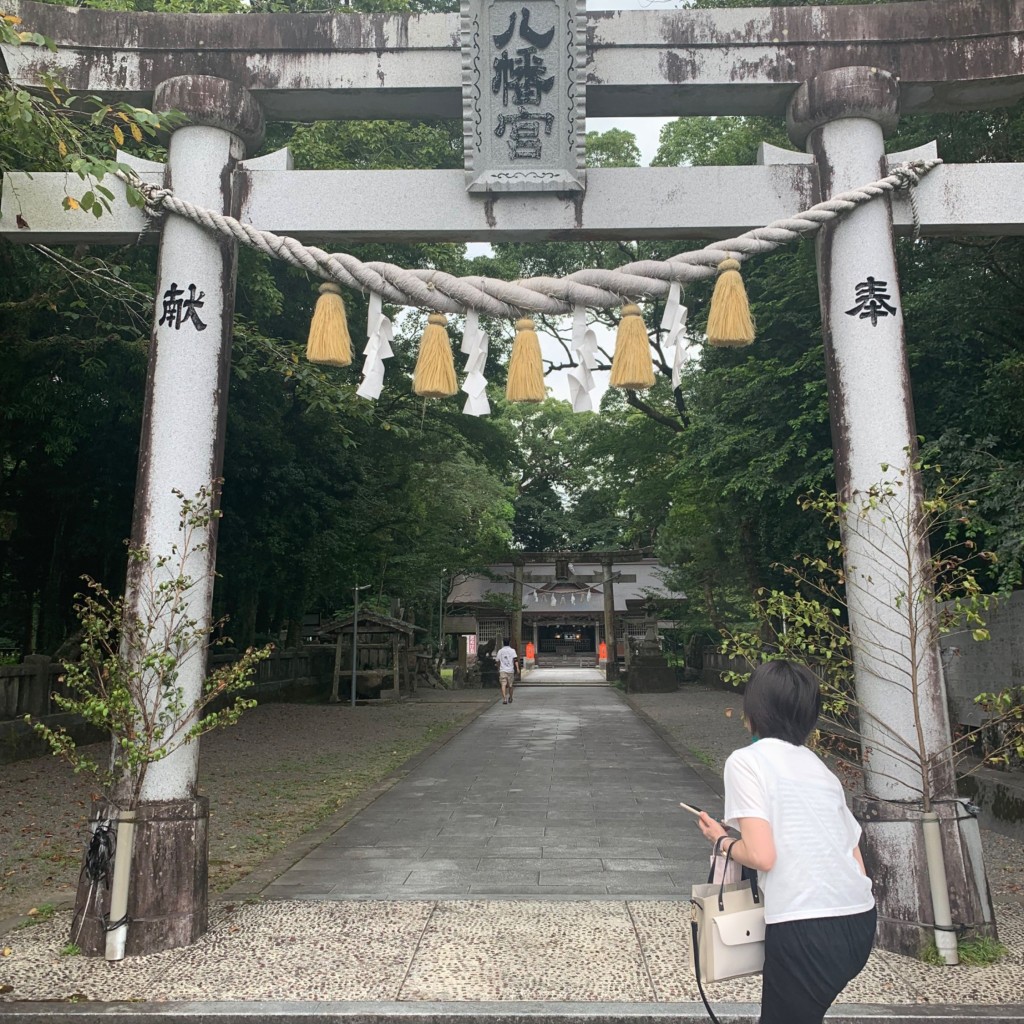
pixel 815 873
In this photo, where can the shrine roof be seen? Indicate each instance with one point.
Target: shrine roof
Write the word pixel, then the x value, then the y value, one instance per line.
pixel 634 580
pixel 370 622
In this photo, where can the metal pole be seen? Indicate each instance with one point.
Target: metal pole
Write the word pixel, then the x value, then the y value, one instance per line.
pixel 440 623
pixel 355 640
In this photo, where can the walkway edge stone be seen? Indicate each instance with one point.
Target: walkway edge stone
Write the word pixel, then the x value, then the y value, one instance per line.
pixel 490 1013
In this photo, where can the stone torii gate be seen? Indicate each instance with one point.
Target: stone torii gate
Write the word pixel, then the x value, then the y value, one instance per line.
pixel 841 75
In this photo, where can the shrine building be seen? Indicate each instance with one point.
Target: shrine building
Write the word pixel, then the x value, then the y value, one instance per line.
pixel 566 604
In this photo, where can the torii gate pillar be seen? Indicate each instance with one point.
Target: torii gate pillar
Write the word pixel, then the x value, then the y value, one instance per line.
pixel 841 117
pixel 182 448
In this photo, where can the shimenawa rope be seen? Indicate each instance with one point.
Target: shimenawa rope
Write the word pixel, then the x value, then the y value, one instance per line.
pixel 595 288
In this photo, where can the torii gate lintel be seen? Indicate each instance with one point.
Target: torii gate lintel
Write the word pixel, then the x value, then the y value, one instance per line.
pixel 948 54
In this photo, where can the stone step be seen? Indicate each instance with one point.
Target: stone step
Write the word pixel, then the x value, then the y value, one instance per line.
pixel 470 1013
pixel 563 682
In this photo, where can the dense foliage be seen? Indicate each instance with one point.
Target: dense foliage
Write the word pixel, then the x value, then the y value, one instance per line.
pixel 325 490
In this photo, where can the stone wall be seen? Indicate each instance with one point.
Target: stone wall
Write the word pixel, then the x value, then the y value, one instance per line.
pixel 974 667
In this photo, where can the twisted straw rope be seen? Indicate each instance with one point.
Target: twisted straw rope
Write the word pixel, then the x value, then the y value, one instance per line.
pixel 594 288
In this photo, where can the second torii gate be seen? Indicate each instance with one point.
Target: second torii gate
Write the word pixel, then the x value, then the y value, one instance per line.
pixel 841 76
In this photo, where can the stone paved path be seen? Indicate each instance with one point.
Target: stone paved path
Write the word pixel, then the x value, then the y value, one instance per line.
pixel 564 792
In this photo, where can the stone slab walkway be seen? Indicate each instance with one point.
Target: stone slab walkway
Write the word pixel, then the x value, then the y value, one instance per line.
pixel 563 792
pixel 564 676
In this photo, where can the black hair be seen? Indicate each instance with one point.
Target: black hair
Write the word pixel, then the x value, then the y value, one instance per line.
pixel 782 701
pixel 505 641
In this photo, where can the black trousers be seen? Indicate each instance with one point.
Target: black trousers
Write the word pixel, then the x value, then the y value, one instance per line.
pixel 808 963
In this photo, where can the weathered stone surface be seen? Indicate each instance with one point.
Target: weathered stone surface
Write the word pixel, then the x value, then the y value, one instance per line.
pixel 167 895
pixel 904 738
pixel 893 839
pixel 948 55
pixel 213 103
pixel 840 93
pixel 651 674
pixel 665 202
pixel 524 95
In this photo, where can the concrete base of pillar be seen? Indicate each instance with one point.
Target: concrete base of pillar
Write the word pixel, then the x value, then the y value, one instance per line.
pixel 893 837
pixel 168 890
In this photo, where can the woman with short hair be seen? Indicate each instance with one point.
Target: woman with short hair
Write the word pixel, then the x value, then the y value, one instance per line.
pixel 798 834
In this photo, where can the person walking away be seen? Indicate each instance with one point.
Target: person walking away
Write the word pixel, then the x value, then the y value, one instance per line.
pixel 508 665
pixel 798 834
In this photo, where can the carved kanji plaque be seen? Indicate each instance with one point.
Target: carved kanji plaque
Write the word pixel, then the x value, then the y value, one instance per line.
pixel 523 86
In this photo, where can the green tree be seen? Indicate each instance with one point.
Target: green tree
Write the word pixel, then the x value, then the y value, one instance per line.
pixel 759 435
pixel 613 148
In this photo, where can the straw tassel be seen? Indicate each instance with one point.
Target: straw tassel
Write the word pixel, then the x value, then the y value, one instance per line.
pixel 525 367
pixel 329 340
pixel 631 366
pixel 434 376
pixel 730 324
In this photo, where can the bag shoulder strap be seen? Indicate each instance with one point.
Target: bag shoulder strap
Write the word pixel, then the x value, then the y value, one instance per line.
pixel 696 966
pixel 717 853
pixel 749 875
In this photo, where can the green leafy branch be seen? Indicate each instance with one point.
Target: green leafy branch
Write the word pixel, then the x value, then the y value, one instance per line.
pixel 941 596
pixel 70 132
pixel 126 680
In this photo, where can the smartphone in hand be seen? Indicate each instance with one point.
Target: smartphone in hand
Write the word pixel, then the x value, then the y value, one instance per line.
pixel 693 810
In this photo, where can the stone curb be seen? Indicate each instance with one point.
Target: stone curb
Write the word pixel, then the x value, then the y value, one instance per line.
pixel 491 1013
pixel 252 885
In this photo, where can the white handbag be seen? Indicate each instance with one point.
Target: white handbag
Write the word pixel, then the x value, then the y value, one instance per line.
pixel 727 929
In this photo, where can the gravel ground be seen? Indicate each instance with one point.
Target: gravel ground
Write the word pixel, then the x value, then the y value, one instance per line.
pixel 277 774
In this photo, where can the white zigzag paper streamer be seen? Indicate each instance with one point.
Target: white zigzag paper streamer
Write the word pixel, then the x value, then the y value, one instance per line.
pixel 378 348
pixel 674 322
pixel 581 377
pixel 474 347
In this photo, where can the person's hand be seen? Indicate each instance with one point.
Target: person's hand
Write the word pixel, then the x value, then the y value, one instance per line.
pixel 713 830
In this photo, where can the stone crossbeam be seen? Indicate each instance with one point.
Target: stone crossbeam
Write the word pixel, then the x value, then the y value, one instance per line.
pixel 650 63
pixel 663 202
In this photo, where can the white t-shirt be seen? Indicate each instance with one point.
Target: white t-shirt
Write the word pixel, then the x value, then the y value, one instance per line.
pixel 506 659
pixel 815 872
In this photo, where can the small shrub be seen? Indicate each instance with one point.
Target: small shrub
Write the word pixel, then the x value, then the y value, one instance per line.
pixel 976 952
pixel 126 680
pixel 982 950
